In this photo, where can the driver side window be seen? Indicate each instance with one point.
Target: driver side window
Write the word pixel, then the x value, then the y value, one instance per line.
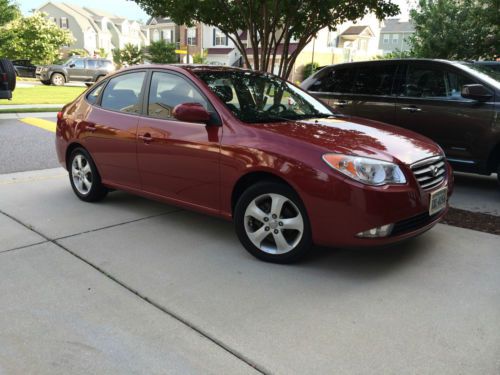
pixel 169 90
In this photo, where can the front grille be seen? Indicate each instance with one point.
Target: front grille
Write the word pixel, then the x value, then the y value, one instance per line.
pixel 38 69
pixel 429 172
pixel 413 223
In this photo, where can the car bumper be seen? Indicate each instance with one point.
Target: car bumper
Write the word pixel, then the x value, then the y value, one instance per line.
pixel 43 76
pixel 353 208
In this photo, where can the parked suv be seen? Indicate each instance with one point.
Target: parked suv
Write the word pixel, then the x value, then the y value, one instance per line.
pixel 7 79
pixel 457 104
pixel 24 68
pixel 84 69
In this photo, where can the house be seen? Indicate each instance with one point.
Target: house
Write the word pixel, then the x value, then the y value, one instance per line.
pixel 220 49
pixel 394 35
pixel 94 29
pixel 158 28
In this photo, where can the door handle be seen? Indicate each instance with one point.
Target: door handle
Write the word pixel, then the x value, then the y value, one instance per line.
pixel 146 137
pixel 411 109
pixel 341 103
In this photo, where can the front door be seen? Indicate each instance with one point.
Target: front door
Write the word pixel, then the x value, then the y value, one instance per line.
pixel 111 128
pixel 430 103
pixel 178 160
pixel 77 70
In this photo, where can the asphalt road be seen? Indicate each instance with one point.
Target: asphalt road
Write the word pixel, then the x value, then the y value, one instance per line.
pixel 130 285
pixel 24 147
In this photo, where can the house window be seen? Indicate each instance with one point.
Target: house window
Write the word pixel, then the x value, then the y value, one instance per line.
pixel 156 35
pixel 395 38
pixel 53 19
pixel 64 23
pixel 386 38
pixel 167 35
pixel 191 36
pixel 219 38
pixel 331 39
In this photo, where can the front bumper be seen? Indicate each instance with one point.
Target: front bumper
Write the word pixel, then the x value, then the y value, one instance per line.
pixel 43 76
pixel 351 208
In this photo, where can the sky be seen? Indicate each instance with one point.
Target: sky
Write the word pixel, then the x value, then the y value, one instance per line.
pixel 131 10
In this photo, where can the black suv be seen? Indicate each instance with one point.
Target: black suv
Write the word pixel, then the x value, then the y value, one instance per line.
pixel 457 104
pixel 7 79
pixel 83 69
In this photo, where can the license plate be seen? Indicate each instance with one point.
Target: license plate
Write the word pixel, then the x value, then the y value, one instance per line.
pixel 438 200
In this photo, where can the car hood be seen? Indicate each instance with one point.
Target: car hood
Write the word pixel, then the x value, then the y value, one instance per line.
pixel 358 136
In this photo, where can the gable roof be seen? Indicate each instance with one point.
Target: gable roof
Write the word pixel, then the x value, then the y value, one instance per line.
pixel 395 25
pixel 357 30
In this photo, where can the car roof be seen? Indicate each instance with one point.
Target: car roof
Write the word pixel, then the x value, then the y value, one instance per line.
pixel 385 61
pixel 191 68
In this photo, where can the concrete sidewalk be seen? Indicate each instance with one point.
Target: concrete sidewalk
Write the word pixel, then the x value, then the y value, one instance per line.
pixel 135 286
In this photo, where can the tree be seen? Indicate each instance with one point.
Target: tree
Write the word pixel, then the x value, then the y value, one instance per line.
pixel 161 52
pixel 200 58
pixel 128 55
pixel 8 12
pixel 456 29
pixel 271 25
pixel 102 53
pixel 35 38
pixel 310 69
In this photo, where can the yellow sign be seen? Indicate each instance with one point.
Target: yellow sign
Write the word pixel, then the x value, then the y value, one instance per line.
pixel 181 52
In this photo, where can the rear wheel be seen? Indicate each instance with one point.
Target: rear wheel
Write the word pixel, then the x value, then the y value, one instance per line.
pixel 57 79
pixel 84 177
pixel 272 224
pixel 7 68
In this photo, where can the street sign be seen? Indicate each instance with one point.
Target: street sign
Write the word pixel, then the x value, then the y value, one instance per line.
pixel 181 51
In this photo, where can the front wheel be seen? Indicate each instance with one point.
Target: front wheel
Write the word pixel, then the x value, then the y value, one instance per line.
pixel 57 79
pixel 272 224
pixel 84 177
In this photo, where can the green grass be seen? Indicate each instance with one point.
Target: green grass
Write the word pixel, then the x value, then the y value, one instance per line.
pixel 44 95
pixel 28 110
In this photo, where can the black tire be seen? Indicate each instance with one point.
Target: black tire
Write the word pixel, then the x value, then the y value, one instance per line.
pixel 57 79
pixel 9 69
pixel 97 190
pixel 47 83
pixel 300 244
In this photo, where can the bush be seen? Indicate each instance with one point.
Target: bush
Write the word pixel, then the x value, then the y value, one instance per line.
pixel 129 55
pixel 78 52
pixel 309 69
pixel 161 52
pixel 200 58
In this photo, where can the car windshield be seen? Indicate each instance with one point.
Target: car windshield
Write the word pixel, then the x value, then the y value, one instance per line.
pixel 257 97
pixel 487 70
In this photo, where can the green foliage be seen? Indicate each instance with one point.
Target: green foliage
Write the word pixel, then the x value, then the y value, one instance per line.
pixel 200 58
pixel 270 24
pixel 9 11
pixel 456 29
pixel 35 38
pixel 396 54
pixel 128 55
pixel 78 52
pixel 161 52
pixel 309 69
pixel 102 53
pixel 117 56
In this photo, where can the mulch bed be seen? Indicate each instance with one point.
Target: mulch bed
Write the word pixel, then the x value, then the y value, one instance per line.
pixel 472 220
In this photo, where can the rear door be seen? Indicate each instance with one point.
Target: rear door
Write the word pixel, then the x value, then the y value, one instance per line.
pixel 111 127
pixel 91 69
pixel 372 91
pixel 430 103
pixel 333 85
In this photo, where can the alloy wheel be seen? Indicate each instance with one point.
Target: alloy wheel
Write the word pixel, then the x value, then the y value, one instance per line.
pixel 81 173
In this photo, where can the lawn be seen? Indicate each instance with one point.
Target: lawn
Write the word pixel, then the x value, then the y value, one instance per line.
pixel 44 95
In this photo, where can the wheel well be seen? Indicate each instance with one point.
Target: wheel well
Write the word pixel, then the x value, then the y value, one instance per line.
pixel 250 179
pixel 494 159
pixel 69 150
pixel 61 73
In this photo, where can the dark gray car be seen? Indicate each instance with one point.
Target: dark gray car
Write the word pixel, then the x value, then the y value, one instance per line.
pixel 85 69
pixel 457 104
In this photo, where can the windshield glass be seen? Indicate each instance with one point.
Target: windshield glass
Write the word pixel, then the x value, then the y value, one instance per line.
pixel 492 71
pixel 257 97
pixel 69 61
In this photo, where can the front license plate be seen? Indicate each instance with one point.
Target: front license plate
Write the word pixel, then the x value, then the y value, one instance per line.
pixel 438 201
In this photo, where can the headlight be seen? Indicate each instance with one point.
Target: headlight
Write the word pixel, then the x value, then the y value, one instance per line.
pixel 366 170
pixel 44 69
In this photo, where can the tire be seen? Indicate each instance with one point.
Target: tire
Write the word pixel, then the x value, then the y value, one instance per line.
pixel 253 214
pixel 57 79
pixel 84 177
pixel 9 69
pixel 47 83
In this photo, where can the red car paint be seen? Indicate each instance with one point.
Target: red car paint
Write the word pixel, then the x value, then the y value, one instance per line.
pixel 199 167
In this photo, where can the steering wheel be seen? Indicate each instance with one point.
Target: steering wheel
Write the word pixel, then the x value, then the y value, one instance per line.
pixel 277 108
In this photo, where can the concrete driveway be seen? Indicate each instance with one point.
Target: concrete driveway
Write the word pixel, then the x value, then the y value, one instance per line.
pixel 135 286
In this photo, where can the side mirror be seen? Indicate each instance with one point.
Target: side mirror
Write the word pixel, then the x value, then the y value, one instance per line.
pixel 191 112
pixel 476 92
pixel 72 65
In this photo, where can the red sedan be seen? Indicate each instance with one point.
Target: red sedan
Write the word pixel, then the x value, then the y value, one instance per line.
pixel 253 148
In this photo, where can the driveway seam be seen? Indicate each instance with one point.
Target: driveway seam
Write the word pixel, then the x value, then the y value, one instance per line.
pixel 23 247
pixel 149 301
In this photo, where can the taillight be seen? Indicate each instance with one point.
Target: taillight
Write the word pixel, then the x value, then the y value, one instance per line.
pixel 4 76
pixel 59 115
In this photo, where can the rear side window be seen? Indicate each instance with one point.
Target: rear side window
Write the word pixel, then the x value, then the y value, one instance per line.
pixel 91 64
pixel 333 80
pixel 93 95
pixel 123 93
pixel 168 90
pixel 374 79
pixel 104 64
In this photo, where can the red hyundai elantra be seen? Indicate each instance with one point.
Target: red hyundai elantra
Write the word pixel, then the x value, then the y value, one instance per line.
pixel 253 148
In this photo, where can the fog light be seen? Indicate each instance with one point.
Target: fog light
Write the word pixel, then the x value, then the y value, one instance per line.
pixel 382 231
